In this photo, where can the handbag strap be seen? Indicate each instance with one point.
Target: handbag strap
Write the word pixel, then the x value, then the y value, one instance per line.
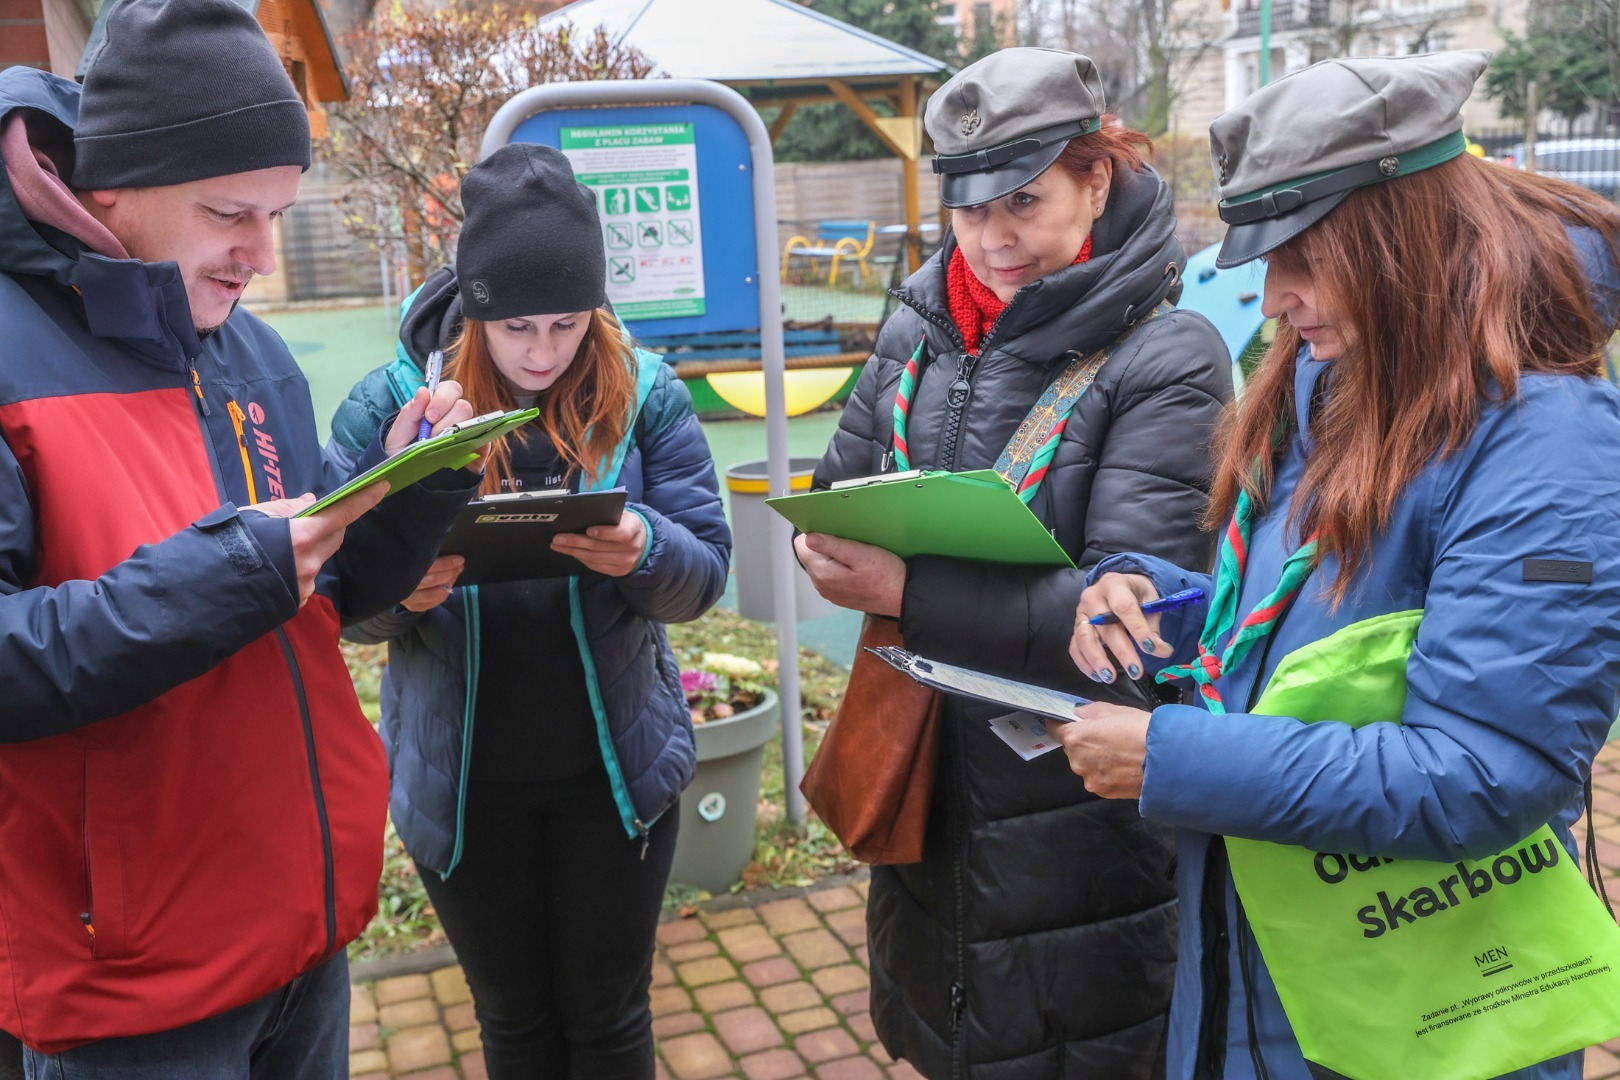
pixel 1028 454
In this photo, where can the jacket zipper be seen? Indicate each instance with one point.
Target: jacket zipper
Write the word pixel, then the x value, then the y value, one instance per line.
pixel 196 386
pixel 293 673
pixel 315 787
pixel 961 387
pixel 1215 1021
pixel 87 916
pixel 237 417
pixel 958 830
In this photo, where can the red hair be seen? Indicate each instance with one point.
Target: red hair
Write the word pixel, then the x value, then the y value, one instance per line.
pixel 1116 142
pixel 1452 281
pixel 585 413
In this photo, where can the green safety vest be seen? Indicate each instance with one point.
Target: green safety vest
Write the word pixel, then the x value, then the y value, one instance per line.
pixel 1401 969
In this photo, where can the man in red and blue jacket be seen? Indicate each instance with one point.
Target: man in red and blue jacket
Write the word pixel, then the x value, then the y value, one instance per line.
pixel 191 802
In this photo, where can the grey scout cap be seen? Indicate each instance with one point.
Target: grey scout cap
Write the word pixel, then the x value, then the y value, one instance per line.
pixel 1001 122
pixel 1291 151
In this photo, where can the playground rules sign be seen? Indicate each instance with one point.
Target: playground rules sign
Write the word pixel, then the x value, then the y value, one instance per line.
pixel 645 180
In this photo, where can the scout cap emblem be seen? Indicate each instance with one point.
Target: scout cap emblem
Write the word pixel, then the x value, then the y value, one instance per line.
pixel 1002 121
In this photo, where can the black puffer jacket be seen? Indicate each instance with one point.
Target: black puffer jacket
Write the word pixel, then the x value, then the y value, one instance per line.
pixel 1037 938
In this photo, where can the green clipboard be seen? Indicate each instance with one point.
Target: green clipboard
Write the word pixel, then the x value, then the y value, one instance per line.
pixel 451 448
pixel 971 515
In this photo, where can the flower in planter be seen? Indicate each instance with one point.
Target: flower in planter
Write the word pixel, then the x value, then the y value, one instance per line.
pixel 721 686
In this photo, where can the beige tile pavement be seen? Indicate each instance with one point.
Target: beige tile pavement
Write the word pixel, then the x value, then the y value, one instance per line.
pixel 769 990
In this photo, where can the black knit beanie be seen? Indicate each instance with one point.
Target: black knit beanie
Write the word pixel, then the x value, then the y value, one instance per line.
pixel 183 90
pixel 531 243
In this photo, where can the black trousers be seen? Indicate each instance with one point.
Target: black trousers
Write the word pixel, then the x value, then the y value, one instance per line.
pixel 553 912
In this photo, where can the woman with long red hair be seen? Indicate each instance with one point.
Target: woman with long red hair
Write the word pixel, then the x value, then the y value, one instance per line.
pixel 537 731
pixel 1034 938
pixel 1410 651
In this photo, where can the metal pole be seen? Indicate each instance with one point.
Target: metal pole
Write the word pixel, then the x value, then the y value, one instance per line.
pixel 1265 42
pixel 578 95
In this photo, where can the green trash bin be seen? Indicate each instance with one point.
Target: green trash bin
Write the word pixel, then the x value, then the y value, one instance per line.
pixel 718 807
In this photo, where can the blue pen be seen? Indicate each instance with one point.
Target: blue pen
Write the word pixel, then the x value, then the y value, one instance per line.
pixel 435 366
pixel 1164 603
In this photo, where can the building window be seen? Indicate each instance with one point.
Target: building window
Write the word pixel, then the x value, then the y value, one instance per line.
pixel 1251 70
pixel 299 74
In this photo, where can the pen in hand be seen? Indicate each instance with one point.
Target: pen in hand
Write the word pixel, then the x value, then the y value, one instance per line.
pixel 435 367
pixel 1164 603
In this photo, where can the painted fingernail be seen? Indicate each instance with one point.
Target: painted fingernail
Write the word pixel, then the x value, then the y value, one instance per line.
pixel 1106 675
pixel 1147 643
pixel 1134 671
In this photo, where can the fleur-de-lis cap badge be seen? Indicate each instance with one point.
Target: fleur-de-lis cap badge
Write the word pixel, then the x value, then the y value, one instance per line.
pixel 970 122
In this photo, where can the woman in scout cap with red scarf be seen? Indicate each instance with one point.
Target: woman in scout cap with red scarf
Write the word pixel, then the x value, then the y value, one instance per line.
pixel 1035 937
pixel 1411 654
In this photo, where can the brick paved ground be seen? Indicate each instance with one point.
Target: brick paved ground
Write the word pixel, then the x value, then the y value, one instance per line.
pixel 771 992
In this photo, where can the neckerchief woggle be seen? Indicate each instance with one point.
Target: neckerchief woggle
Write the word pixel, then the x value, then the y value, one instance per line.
pixel 1232 560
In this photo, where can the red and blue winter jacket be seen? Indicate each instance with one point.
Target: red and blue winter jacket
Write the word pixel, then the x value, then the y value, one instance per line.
pixel 191 802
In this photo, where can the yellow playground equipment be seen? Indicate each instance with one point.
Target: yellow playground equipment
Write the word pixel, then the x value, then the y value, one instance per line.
pixel 836 240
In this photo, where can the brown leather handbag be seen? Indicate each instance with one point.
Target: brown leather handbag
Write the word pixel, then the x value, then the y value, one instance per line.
pixel 873 774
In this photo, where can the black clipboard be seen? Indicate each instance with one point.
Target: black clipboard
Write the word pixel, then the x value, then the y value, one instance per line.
pixel 507 537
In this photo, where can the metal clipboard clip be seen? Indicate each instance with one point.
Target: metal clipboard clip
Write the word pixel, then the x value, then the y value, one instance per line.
pixel 903 660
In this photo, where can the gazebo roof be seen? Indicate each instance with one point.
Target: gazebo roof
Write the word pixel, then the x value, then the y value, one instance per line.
pixel 746 41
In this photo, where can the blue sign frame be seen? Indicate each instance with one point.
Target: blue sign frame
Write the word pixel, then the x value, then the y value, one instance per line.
pixel 725 207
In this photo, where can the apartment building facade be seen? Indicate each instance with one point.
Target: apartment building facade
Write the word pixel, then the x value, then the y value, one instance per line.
pixel 1222 67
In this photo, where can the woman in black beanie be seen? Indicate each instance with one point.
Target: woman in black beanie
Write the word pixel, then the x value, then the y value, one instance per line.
pixel 545 842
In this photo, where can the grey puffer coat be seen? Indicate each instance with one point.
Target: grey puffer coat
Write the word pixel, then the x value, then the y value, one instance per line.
pixel 1037 937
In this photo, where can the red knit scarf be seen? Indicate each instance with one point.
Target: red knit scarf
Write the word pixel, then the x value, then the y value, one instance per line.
pixel 974 307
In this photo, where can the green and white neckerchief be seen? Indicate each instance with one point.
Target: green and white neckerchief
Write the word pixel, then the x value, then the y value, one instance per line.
pixel 1232 560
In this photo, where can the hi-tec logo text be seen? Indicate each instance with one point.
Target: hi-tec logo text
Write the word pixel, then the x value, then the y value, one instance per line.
pixel 267 452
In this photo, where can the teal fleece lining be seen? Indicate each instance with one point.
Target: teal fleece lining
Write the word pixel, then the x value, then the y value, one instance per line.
pixel 646 538
pixel 469 603
pixel 648 367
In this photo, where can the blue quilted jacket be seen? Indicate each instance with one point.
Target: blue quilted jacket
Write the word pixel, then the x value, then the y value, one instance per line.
pixel 430 688
pixel 1512 687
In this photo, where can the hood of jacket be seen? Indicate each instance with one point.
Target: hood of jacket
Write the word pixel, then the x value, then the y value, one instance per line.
pixel 430 317
pixel 142 305
pixel 1136 261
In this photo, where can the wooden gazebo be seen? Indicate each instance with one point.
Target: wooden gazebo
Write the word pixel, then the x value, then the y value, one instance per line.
pixel 781 55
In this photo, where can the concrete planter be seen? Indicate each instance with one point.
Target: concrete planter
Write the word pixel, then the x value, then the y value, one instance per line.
pixel 717 810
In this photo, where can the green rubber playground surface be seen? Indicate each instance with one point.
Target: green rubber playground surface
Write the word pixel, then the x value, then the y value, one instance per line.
pixel 336 346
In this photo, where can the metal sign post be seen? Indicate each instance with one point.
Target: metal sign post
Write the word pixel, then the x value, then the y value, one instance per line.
pixel 606 102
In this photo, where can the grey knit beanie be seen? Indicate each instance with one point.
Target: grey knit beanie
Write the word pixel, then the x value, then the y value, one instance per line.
pixel 183 90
